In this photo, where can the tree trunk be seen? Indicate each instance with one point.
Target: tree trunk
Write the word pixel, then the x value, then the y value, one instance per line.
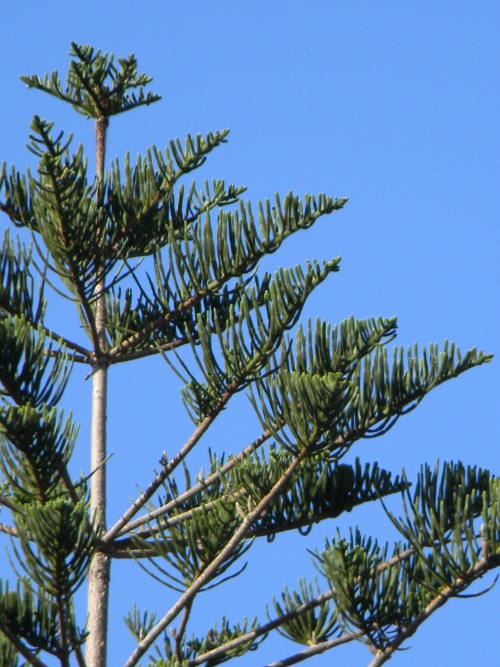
pixel 99 573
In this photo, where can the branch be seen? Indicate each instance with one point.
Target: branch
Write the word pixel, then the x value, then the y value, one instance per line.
pixel 61 614
pixel 475 572
pixel 211 570
pixel 13 532
pixel 285 618
pixel 7 502
pixel 172 464
pixel 153 326
pixel 126 549
pixel 316 649
pixel 180 632
pixel 238 263
pixel 83 354
pixel 202 484
pixel 150 351
pixel 220 651
pixel 22 650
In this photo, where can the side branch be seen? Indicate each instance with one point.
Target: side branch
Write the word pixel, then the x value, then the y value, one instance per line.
pixel 316 649
pixel 171 465
pixel 27 654
pixel 139 336
pixel 197 488
pixel 475 572
pixel 220 651
pixel 211 569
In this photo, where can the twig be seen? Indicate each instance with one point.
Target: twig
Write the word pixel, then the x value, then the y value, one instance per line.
pixel 9 530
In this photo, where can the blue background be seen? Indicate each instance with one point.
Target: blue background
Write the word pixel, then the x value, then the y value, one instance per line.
pixel 392 104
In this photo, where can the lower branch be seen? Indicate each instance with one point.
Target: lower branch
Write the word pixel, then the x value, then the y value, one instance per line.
pixel 211 569
pixel 475 572
pixel 221 651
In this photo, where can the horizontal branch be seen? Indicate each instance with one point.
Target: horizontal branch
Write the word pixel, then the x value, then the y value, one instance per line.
pixel 75 347
pixel 150 351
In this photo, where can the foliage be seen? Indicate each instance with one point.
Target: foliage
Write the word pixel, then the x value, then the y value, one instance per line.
pixel 315 392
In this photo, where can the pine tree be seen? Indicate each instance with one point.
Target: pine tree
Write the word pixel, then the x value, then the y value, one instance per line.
pixel 153 266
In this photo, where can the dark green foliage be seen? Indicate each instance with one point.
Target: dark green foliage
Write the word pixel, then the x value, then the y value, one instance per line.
pixel 57 539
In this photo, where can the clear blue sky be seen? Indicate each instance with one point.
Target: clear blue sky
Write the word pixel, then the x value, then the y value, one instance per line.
pixel 393 104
